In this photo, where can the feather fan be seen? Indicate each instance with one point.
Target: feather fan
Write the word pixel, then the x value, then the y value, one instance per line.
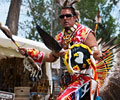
pixel 108 59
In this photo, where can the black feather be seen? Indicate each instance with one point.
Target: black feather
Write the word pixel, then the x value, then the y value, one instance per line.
pixel 48 40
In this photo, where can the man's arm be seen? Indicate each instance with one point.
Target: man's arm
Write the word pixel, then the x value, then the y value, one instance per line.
pixel 39 55
pixel 51 57
pixel 91 40
pixel 92 43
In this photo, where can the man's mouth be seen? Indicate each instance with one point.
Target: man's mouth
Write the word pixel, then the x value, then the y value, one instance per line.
pixel 66 23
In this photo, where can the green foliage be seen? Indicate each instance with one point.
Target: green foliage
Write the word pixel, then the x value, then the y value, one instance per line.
pixel 46 14
pixel 39 13
pixel 88 10
pixel 118 39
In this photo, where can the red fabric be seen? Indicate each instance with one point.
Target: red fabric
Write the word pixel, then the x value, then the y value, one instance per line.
pixel 37 55
pixel 65 95
pixel 79 36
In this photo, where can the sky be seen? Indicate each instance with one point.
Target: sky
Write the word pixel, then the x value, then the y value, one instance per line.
pixel 4 7
pixel 116 14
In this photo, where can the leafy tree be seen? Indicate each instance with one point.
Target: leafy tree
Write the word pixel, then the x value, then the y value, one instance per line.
pixel 38 12
pixel 46 13
pixel 89 9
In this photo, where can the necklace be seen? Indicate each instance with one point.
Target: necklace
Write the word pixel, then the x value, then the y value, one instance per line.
pixel 68 36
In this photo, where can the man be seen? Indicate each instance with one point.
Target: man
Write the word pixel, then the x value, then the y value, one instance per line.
pixel 73 33
pixel 68 19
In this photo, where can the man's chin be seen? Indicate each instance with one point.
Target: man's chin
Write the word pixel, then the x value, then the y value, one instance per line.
pixel 67 27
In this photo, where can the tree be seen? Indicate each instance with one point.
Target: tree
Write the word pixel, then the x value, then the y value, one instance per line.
pixel 40 14
pixel 45 15
pixel 13 16
pixel 48 19
pixel 88 10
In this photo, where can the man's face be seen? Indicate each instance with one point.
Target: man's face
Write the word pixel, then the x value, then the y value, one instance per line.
pixel 67 18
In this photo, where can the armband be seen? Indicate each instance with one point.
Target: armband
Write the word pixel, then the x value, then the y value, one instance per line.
pixel 94 48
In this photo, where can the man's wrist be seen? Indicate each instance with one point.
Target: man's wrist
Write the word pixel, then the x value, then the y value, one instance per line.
pixel 55 57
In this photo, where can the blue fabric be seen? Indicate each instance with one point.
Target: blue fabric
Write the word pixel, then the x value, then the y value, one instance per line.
pixel 98 98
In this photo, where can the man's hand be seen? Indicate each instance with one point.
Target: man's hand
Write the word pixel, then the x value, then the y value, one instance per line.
pixel 97 54
pixel 23 51
pixel 63 52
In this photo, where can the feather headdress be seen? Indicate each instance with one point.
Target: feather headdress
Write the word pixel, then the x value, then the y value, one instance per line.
pixel 69 4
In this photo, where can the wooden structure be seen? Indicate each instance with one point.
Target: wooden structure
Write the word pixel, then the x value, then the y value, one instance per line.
pixel 12 72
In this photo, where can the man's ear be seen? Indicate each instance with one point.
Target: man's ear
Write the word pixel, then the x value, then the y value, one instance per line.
pixel 75 17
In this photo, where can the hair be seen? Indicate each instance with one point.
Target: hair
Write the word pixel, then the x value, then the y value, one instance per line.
pixel 72 9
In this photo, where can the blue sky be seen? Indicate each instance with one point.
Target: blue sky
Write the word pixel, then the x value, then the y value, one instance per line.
pixel 4 6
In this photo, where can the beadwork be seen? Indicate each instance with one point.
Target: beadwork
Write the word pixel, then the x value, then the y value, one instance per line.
pixel 68 36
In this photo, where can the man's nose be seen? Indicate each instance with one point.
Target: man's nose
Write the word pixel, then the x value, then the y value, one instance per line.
pixel 65 17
